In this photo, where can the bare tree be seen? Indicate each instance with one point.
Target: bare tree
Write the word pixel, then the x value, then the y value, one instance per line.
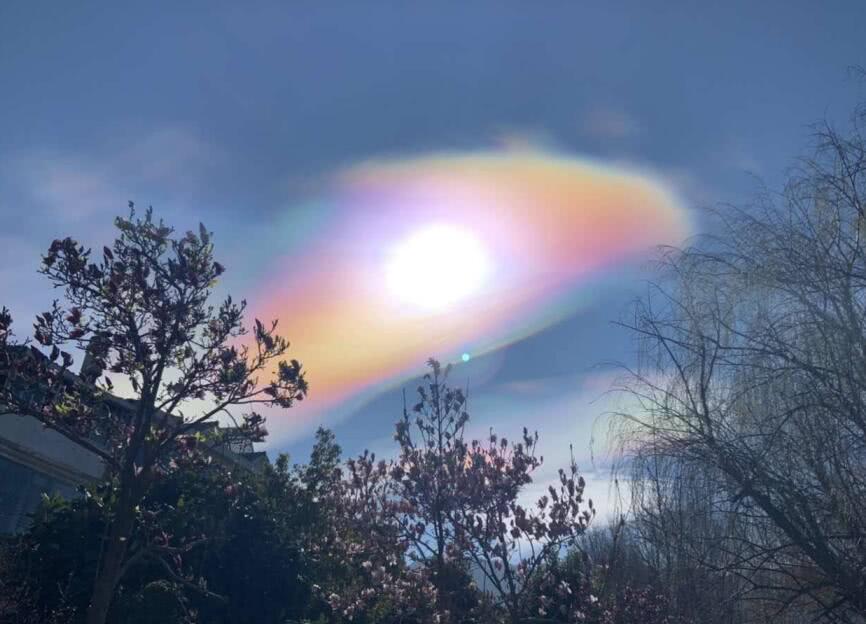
pixel 752 386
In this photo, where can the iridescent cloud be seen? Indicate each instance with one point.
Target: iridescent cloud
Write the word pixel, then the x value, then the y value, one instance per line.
pixel 500 243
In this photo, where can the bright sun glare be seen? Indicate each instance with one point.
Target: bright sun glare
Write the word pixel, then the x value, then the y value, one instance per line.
pixel 436 267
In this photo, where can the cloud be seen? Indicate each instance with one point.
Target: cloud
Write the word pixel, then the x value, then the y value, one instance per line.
pixel 48 193
pixel 69 189
pixel 567 410
pixel 571 414
pixel 19 260
pixel 74 187
pixel 547 222
pixel 609 124
pixel 740 156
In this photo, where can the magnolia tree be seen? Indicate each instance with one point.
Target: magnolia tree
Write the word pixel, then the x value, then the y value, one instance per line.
pixel 141 311
pixel 426 476
pixel 509 542
pixel 461 500
pixel 362 554
pixel 410 533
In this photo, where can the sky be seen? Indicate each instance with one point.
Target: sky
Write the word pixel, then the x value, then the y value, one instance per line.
pixel 518 161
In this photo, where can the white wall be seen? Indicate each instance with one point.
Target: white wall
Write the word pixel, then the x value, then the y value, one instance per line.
pixel 24 440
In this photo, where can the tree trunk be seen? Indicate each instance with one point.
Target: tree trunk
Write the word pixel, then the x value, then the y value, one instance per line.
pixel 111 563
pixel 514 614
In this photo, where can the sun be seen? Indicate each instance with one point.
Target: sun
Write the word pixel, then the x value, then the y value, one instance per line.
pixel 436 267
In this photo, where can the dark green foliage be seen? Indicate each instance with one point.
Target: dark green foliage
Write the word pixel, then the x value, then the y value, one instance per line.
pixel 54 564
pixel 241 543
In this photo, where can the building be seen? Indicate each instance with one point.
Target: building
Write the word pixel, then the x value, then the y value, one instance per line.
pixel 36 461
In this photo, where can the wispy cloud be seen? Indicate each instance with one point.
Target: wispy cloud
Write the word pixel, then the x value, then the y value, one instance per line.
pixel 571 414
pixel 567 410
pixel 48 193
pixel 739 155
pixel 609 124
pixel 72 187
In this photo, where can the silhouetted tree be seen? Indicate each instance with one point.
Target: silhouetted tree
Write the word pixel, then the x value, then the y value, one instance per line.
pixel 426 473
pixel 256 565
pixel 748 449
pixel 368 577
pixel 461 499
pixel 142 311
pixel 509 542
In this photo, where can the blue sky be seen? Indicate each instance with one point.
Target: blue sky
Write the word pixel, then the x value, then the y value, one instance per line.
pixel 236 113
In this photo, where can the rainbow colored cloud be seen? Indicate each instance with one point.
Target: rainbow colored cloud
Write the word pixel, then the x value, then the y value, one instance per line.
pixel 534 226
